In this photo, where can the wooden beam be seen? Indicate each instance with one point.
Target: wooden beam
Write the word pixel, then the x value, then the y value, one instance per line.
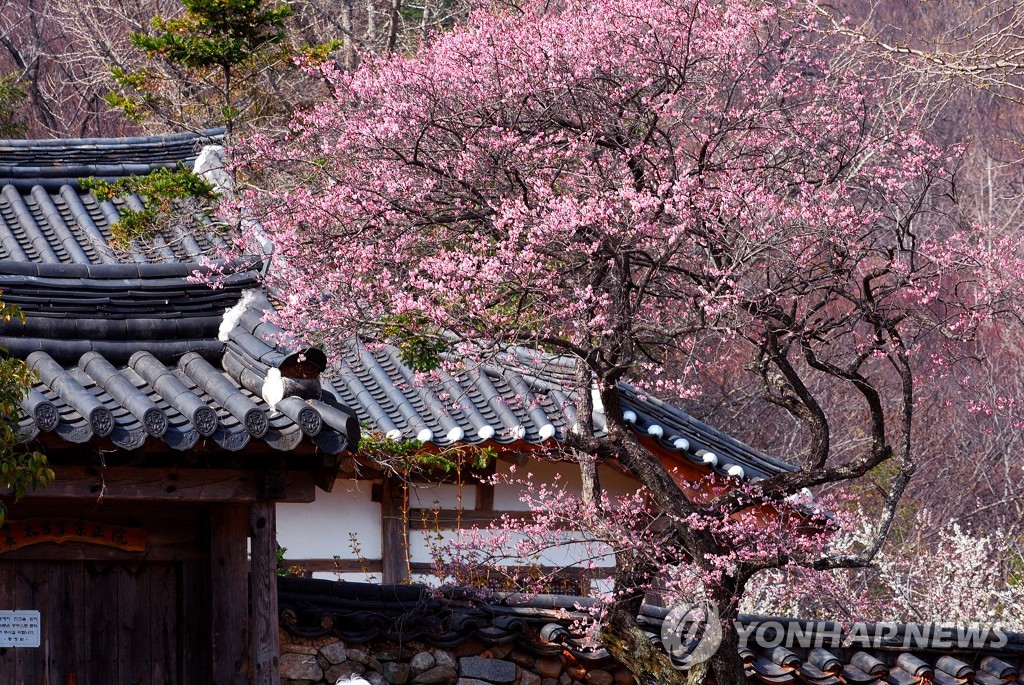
pixel 177 485
pixel 229 528
pixel 573 572
pixel 367 566
pixel 173 531
pixel 266 657
pixel 452 519
pixel 556 580
pixel 484 497
pixel 78 551
pixel 394 533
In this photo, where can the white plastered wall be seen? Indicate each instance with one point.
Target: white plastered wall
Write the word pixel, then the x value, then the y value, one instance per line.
pixel 323 529
pixel 507 496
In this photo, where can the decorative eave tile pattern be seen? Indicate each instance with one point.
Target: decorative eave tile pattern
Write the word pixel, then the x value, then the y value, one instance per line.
pixel 521 397
pixel 176 404
pixel 362 612
pixel 133 396
pixel 134 359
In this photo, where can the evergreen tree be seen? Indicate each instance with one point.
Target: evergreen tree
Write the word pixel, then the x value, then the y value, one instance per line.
pixel 12 98
pixel 219 62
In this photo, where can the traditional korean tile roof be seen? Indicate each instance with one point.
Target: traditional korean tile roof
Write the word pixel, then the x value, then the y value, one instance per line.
pixel 127 347
pixel 833 655
pixel 521 397
pixel 46 217
pixel 130 351
pixel 136 378
pixel 51 164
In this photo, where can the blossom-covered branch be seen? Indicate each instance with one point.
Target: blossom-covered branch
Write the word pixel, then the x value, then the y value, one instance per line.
pixel 654 188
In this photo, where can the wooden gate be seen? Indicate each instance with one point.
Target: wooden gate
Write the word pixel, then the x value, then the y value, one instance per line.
pixel 122 591
pixel 146 584
pixel 109 623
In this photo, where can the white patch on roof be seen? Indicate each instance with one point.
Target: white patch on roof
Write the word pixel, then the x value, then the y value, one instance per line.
pixel 233 314
pixel 209 166
pixel 273 388
pixel 735 470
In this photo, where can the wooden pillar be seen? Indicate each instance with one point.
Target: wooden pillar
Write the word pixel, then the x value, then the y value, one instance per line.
pixel 263 571
pixel 229 529
pixel 394 532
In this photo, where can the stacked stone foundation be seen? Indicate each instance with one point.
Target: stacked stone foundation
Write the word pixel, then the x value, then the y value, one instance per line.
pixel 325 660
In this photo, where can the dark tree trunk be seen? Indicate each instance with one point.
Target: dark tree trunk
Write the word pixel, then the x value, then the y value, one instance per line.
pixel 621 635
pixel 725 666
pixel 591 484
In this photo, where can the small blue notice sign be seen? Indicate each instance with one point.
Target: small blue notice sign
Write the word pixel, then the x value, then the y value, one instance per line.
pixel 19 628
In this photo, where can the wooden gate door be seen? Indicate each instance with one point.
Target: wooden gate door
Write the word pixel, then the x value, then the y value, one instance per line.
pixel 109 622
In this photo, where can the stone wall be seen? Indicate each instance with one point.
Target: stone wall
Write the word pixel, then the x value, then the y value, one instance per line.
pixel 324 660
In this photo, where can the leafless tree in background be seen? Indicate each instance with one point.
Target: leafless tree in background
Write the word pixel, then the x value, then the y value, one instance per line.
pixel 963 62
pixel 61 98
pixel 62 52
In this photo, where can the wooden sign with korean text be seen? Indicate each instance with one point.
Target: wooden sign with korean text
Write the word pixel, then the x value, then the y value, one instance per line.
pixel 17 534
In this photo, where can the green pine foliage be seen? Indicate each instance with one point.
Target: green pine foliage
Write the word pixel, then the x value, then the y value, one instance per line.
pixel 12 98
pixel 222 33
pixel 170 195
pixel 218 62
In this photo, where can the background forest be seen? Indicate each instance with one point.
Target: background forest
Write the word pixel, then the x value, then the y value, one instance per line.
pixel 71 69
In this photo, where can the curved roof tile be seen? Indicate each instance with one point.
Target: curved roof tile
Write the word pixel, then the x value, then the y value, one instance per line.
pixel 46 217
pixel 518 400
pixel 147 401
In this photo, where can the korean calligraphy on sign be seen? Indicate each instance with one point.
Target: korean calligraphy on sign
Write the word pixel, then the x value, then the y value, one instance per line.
pixel 17 534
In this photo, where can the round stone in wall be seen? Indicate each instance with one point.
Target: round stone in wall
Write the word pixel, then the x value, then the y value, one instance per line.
pixel 300 667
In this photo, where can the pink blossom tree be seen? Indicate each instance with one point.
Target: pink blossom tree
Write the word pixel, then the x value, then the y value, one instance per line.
pixel 651 187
